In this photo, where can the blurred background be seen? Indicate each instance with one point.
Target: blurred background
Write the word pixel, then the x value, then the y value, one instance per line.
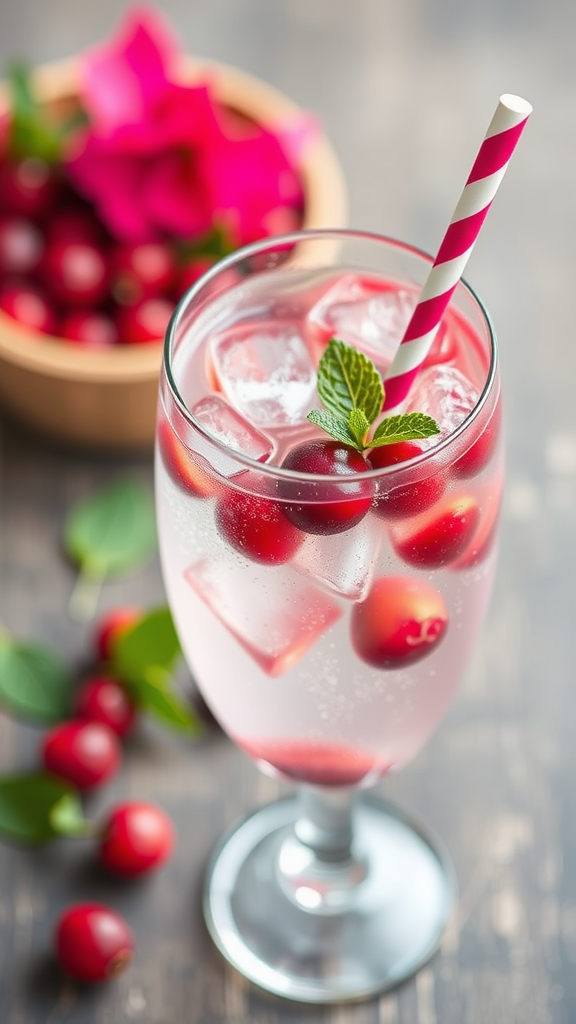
pixel 405 91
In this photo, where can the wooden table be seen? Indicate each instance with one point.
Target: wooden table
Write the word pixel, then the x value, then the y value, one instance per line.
pixel 406 91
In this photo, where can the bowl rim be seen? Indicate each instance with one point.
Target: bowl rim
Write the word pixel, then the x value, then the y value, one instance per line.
pixel 326 206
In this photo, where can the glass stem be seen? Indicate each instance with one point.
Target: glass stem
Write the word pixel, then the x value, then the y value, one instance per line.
pixel 318 866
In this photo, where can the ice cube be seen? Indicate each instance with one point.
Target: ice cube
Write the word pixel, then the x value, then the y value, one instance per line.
pixel 444 393
pixel 266 372
pixel 225 424
pixel 275 614
pixel 364 313
pixel 344 562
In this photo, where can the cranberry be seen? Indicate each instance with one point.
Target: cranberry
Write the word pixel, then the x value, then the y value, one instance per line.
pixel 103 699
pixel 85 753
pixel 400 622
pixel 112 625
pixel 406 499
pixel 181 464
pixel 90 328
pixel 75 273
pixel 21 245
pixel 74 224
pixel 93 943
pixel 145 322
pixel 439 539
pixel 485 536
pixel 27 187
pixel 481 451
pixel 28 305
pixel 257 527
pixel 137 837
pixel 141 272
pixel 326 508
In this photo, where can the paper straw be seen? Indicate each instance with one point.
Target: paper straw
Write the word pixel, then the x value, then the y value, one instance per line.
pixel 489 168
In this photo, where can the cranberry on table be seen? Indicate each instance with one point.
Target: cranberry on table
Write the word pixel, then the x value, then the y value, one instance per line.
pixel 27 187
pixel 181 464
pixel 75 273
pixel 144 322
pixel 89 328
pixel 102 698
pixel 137 837
pixel 87 754
pixel 407 499
pixel 442 537
pixel 257 527
pixel 325 507
pixel 141 272
pixel 399 623
pixel 93 943
pixel 28 305
pixel 21 245
pixel 111 626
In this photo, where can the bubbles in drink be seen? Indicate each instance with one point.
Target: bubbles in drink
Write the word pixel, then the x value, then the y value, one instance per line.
pixel 277 621
pixel 266 372
pixel 444 393
pixel 362 313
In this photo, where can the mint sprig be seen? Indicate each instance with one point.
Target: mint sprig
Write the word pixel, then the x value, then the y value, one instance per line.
pixel 351 388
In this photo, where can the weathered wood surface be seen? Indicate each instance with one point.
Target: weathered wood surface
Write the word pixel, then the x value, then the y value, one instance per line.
pixel 405 91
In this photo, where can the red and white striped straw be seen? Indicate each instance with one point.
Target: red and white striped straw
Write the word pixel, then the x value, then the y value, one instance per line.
pixel 489 168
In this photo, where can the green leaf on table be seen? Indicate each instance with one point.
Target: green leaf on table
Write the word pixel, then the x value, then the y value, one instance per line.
pixel 35 683
pixel 30 134
pixel 112 531
pixel 36 807
pixel 151 641
pixel 154 693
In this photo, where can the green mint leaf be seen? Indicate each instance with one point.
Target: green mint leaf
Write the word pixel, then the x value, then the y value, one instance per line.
pixel 152 641
pixel 359 425
pixel 405 427
pixel 348 380
pixel 333 425
pixel 35 684
pixel 112 531
pixel 36 807
pixel 30 133
pixel 154 693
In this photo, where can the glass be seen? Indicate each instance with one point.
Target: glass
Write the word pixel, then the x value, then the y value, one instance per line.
pixel 327 619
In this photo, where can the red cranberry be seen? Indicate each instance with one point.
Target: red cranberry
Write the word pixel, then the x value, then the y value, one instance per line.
pixel 181 464
pixel 325 508
pixel 145 322
pixel 21 245
pixel 74 224
pixel 27 187
pixel 141 272
pixel 137 837
pixel 104 699
pixel 93 943
pixel 111 626
pixel 400 622
pixel 90 328
pixel 75 273
pixel 439 539
pixel 407 499
pixel 28 305
pixel 481 451
pixel 85 753
pixel 257 527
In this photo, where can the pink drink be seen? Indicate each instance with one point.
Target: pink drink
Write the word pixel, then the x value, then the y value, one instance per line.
pixel 327 655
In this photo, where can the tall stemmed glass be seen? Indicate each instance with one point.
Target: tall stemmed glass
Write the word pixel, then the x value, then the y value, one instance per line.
pixel 327 613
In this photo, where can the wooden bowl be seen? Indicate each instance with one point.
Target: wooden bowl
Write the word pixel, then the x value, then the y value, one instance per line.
pixel 107 399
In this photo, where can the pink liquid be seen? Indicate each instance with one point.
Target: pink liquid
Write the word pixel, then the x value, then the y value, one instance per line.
pixel 335 663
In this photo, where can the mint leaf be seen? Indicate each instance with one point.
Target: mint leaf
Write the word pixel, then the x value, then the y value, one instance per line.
pixel 151 641
pixel 35 684
pixel 36 807
pixel 406 427
pixel 333 425
pixel 348 380
pixel 112 531
pixel 351 388
pixel 30 134
pixel 153 692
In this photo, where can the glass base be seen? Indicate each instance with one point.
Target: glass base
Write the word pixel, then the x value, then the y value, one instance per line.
pixel 290 942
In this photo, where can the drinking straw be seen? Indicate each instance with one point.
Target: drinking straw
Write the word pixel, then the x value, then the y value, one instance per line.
pixel 489 168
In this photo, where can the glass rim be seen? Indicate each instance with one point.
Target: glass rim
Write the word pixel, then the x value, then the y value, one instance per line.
pixel 268 469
